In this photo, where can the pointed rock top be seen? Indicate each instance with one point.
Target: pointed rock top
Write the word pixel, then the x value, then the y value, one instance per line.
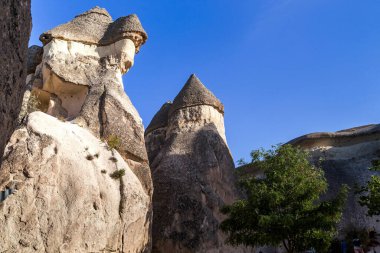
pixel 195 93
pixel 118 29
pixel 160 119
pixel 97 10
pixel 95 26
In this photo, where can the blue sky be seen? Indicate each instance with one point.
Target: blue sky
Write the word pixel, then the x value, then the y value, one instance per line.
pixel 282 68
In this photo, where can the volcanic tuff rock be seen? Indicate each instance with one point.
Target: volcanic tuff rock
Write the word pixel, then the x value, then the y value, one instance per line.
pixel 193 172
pixel 15 22
pixel 65 199
pixel 77 77
pixel 346 156
pixel 80 79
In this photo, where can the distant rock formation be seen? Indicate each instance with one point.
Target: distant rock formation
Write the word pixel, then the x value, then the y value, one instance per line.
pixel 193 172
pixel 16 24
pixel 346 155
pixel 63 197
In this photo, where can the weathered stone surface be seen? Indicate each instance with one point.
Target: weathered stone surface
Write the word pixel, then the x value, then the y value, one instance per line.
pixel 15 22
pixel 123 27
pixel 34 58
pixel 79 80
pixel 346 155
pixel 96 27
pixel 195 93
pixel 193 174
pixel 65 199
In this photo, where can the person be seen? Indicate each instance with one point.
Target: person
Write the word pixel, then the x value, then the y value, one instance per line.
pixel 373 239
pixel 343 245
pixel 357 245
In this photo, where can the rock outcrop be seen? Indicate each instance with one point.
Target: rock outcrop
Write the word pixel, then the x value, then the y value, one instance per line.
pixel 193 172
pixel 346 156
pixel 15 22
pixel 65 199
pixel 80 79
pixel 76 77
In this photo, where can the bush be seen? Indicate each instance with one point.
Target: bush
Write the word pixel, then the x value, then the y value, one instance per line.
pixel 113 142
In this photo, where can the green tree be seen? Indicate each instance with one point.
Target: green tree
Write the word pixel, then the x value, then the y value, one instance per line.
pixel 283 207
pixel 370 194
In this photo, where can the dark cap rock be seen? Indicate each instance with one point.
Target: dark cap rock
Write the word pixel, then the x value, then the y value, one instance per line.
pixel 160 119
pixel 88 27
pixel 119 29
pixel 195 93
pixel 96 27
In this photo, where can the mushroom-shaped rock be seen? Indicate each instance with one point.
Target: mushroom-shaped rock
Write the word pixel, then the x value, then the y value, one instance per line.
pixel 96 27
pixel 79 80
pixel 195 93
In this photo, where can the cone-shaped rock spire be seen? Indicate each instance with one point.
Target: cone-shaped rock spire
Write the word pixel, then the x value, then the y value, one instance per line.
pixel 193 173
pixel 160 119
pixel 195 93
pixel 96 27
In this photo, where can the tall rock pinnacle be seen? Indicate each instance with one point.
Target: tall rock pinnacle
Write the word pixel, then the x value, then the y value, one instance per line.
pixel 76 174
pixel 193 172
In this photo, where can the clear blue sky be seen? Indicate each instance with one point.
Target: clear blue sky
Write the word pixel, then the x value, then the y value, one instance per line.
pixel 282 68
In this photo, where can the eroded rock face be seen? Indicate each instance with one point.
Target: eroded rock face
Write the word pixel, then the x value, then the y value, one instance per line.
pixel 80 79
pixel 65 199
pixel 76 77
pixel 15 22
pixel 193 173
pixel 346 155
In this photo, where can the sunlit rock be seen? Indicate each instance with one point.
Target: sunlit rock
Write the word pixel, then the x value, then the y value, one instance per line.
pixel 193 173
pixel 59 164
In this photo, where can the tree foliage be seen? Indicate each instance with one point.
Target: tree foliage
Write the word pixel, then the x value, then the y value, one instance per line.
pixel 370 194
pixel 283 207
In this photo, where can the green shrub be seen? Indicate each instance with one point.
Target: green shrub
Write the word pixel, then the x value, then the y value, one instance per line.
pixel 113 142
